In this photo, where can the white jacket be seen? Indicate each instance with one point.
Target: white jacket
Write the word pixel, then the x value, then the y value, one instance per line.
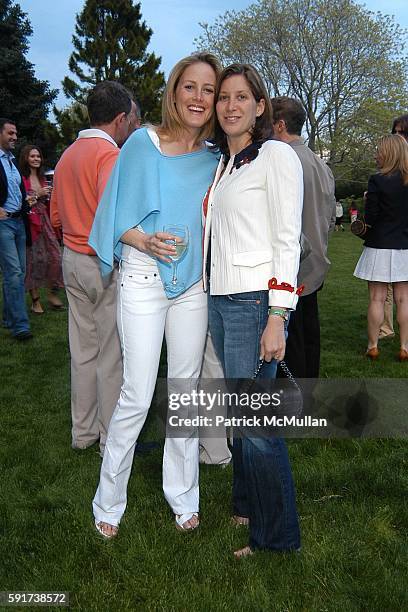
pixel 254 218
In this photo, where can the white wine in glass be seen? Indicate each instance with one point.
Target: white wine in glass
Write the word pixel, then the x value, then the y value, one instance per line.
pixel 181 232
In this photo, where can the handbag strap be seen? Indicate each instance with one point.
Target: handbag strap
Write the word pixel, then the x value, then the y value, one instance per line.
pixel 285 369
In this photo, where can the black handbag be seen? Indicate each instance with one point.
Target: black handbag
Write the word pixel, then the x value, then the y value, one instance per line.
pixel 289 392
pixel 360 228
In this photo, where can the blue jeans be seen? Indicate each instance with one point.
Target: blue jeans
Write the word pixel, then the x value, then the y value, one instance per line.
pixel 263 488
pixel 13 267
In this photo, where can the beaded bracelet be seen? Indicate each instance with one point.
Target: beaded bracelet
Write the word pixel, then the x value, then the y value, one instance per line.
pixel 280 312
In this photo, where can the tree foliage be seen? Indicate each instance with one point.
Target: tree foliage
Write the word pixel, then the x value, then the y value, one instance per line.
pixel 110 42
pixel 341 60
pixel 70 121
pixel 23 97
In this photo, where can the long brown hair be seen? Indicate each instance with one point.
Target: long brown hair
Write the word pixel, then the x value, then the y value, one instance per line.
pixel 401 123
pixel 263 128
pixel 392 156
pixel 171 124
pixel 24 166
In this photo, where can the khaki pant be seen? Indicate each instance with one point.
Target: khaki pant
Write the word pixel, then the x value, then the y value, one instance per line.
pixel 96 360
pixel 213 450
pixel 387 327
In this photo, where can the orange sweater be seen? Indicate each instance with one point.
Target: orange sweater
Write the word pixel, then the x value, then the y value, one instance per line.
pixel 79 180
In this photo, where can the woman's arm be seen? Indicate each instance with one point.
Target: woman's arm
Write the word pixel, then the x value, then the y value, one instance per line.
pixel 273 342
pixel 151 244
pixel 285 201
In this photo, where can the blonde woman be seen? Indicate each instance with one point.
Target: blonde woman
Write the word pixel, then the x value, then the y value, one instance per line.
pixel 385 255
pixel 160 178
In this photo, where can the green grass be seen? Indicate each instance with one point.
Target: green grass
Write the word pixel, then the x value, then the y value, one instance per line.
pixel 351 496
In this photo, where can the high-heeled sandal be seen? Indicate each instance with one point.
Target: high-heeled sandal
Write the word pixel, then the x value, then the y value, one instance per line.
pixel 183 521
pixel 54 301
pixel 403 355
pixel 239 521
pixel 56 306
pixel 36 302
pixel 373 353
pixel 100 529
pixel 243 552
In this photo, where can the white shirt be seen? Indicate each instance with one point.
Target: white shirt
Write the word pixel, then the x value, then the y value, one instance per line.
pixel 254 217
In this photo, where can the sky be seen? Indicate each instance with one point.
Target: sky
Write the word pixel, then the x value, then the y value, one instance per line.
pixel 175 24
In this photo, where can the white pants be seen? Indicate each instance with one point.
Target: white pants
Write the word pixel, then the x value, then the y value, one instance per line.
pixel 144 315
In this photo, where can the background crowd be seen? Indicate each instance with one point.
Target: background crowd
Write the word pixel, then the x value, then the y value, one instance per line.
pixel 253 268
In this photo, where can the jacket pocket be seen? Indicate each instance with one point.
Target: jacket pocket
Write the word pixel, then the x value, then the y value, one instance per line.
pixel 251 259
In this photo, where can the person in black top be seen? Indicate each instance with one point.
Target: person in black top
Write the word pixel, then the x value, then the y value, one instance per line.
pixel 399 126
pixel 385 255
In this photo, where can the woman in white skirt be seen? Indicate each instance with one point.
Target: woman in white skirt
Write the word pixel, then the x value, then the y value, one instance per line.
pixel 385 255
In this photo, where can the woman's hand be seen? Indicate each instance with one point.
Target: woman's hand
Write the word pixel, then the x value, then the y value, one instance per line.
pixel 154 245
pixel 273 341
pixel 44 192
pixel 31 198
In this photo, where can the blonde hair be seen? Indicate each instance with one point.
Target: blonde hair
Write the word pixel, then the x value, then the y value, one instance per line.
pixel 392 155
pixel 171 125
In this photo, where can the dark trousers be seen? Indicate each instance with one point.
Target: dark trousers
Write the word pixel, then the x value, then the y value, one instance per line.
pixel 303 343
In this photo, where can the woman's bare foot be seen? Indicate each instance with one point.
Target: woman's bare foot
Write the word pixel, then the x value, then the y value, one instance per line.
pixel 106 530
pixel 239 520
pixel 243 552
pixel 189 524
pixel 36 306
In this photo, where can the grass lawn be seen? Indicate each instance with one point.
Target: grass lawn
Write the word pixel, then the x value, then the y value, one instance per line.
pixel 352 496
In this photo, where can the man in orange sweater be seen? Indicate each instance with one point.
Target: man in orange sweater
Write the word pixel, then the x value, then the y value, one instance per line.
pixel 79 180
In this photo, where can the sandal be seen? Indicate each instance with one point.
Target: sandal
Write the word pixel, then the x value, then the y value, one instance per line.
pixel 240 521
pixel 243 552
pixel 100 527
pixel 53 300
pixel 187 522
pixel 36 306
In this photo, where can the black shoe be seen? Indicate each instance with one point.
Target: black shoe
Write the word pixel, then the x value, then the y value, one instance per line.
pixel 24 335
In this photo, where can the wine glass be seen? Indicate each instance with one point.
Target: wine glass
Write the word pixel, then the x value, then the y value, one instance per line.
pixel 31 199
pixel 178 231
pixel 48 185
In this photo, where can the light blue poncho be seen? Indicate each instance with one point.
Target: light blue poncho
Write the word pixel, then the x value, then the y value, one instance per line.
pixel 150 189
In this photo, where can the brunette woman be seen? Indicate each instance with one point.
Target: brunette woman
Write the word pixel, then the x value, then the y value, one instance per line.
pixel 44 256
pixel 253 225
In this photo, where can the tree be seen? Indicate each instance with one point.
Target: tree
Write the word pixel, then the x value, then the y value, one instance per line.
pixel 70 121
pixel 110 42
pixel 338 58
pixel 23 97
